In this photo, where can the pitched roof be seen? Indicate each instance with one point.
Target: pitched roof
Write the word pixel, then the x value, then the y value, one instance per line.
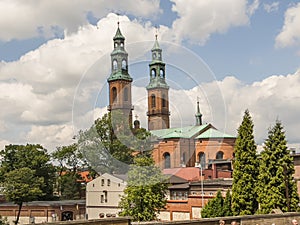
pixel 181 132
pixel 188 173
pixel 173 179
pixel 213 133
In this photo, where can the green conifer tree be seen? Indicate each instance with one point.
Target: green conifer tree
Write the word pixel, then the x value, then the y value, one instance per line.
pixel 214 208
pixel 245 170
pixel 276 187
pixel 227 211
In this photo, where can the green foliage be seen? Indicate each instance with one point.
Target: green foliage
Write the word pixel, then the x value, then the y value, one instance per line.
pixel 145 192
pixel 22 185
pixel 227 211
pixel 70 159
pixel 3 221
pixel 245 170
pixel 276 187
pixel 217 207
pixel 70 187
pixel 34 157
pixel 109 144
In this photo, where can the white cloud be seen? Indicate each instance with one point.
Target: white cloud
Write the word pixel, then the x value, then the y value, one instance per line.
pixel 273 7
pixel 60 82
pixel 26 19
pixel 290 32
pixel 51 136
pixel 61 87
pixel 274 97
pixel 199 19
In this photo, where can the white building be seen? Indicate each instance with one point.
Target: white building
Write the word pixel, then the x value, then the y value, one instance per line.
pixel 103 195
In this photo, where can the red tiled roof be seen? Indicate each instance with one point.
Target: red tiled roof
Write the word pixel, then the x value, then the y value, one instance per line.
pixel 85 176
pixel 188 173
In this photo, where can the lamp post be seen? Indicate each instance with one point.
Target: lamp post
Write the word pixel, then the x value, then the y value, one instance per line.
pixel 201 174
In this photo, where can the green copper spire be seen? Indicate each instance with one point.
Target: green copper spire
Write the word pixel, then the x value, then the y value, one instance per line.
pixel 156 45
pixel 198 115
pixel 157 68
pixel 118 34
pixel 119 59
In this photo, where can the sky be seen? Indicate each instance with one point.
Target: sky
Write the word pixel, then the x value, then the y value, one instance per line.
pixel 232 55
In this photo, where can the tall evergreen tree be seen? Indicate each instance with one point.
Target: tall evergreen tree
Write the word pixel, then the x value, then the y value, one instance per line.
pixel 245 170
pixel 276 187
pixel 227 211
pixel 218 206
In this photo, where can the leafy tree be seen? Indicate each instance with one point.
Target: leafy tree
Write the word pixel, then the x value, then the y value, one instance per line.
pixel 68 157
pixel 70 187
pixel 245 170
pixel 144 195
pixel 109 145
pixel 34 157
pixel 276 187
pixel 3 221
pixel 70 160
pixel 22 185
pixel 227 211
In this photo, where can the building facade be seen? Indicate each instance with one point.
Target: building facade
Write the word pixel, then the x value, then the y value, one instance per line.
pixel 44 211
pixel 103 195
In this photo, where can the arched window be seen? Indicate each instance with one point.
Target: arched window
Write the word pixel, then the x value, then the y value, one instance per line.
pixel 162 73
pixel 220 155
pixel 125 94
pixel 153 73
pixel 163 100
pixel 115 64
pixel 153 103
pixel 122 44
pixel 114 94
pixel 201 159
pixel 167 159
pixel 124 64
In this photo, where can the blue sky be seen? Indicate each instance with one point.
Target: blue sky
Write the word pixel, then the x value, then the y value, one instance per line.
pixel 233 54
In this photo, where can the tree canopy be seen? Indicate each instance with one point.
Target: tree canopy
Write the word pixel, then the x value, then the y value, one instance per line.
pixel 34 157
pixel 245 170
pixel 276 187
pixel 144 195
pixel 26 174
pixel 108 146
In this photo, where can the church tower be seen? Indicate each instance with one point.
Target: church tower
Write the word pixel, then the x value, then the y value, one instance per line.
pixel 119 80
pixel 158 92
